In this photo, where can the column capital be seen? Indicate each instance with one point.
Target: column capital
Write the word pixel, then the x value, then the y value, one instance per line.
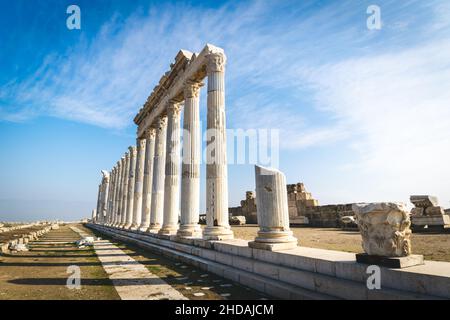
pixel 174 108
pixel 126 156
pixel 133 150
pixel 140 142
pixel 161 122
pixel 192 89
pixel 150 133
pixel 216 62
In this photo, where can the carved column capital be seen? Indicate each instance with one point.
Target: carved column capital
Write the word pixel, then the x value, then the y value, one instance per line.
pixel 140 142
pixel 150 133
pixel 192 89
pixel 174 109
pixel 133 150
pixel 216 62
pixel 161 122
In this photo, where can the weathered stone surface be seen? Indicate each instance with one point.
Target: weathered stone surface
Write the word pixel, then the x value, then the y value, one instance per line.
pixel 390 262
pixel 385 228
pixel 423 201
pixel 434 211
pixel 417 212
pixel 273 216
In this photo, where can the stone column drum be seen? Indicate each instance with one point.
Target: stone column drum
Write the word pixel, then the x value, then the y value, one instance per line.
pixel 172 177
pixel 217 217
pixel 111 195
pixel 105 187
pixel 138 185
pixel 119 193
pixel 157 206
pixel 190 167
pixel 148 178
pixel 131 178
pixel 272 211
pixel 99 202
pixel 123 220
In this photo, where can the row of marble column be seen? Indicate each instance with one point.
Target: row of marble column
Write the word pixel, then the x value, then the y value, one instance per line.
pixel 143 190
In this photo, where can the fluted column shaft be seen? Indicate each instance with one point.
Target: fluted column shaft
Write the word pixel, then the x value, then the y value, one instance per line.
pixel 148 178
pixel 131 178
pixel 111 196
pixel 190 167
pixel 217 217
pixel 172 171
pixel 123 209
pixel 104 199
pixel 157 206
pixel 99 203
pixel 138 184
pixel 117 197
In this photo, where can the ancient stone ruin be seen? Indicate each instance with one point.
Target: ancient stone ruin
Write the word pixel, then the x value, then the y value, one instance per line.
pixel 147 201
pixel 427 213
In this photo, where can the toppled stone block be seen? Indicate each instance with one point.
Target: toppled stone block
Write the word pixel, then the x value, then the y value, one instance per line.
pixel 237 220
pixel 423 201
pixel 434 211
pixel 18 247
pixel 385 228
pixel 86 241
pixel 417 212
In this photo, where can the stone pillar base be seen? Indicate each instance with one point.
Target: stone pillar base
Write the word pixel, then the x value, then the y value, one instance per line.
pixel 127 226
pixel 143 228
pixel 168 230
pixel 390 262
pixel 189 231
pixel 134 227
pixel 218 233
pixel 154 228
pixel 274 240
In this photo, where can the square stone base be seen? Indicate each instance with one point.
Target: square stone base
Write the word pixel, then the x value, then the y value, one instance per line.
pixel 272 246
pixel 390 262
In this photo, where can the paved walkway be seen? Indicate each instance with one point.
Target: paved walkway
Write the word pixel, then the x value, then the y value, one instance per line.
pixel 132 280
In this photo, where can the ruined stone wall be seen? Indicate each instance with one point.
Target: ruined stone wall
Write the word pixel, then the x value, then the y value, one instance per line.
pixel 301 204
pixel 328 216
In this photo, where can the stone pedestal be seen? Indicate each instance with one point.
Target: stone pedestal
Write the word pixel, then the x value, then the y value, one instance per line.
pixel 138 184
pixel 172 177
pixel 385 231
pixel 273 215
pixel 217 217
pixel 190 177
pixel 148 178
pixel 157 206
pixel 131 177
pixel 390 262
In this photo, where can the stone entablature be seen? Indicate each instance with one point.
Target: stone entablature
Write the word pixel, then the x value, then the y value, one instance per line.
pixel 427 213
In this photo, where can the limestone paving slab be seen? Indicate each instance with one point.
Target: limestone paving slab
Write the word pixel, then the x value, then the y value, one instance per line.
pixel 132 280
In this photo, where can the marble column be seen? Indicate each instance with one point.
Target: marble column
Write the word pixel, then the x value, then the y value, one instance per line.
pixel 124 201
pixel 190 167
pixel 99 202
pixel 94 215
pixel 273 213
pixel 138 184
pixel 116 194
pixel 157 206
pixel 111 195
pixel 172 170
pixel 131 179
pixel 217 217
pixel 148 177
pixel 105 188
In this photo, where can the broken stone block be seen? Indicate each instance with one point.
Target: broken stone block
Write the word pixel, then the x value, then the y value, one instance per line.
pixel 385 228
pixel 434 211
pixel 417 212
pixel 423 201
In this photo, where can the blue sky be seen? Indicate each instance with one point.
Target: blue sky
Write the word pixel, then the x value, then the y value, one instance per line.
pixel 363 114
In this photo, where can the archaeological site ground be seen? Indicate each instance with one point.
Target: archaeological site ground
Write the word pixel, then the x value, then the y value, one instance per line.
pixel 218 182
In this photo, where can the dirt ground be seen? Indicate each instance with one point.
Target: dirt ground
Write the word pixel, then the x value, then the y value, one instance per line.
pixel 41 273
pixel 431 246
pixel 15 234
